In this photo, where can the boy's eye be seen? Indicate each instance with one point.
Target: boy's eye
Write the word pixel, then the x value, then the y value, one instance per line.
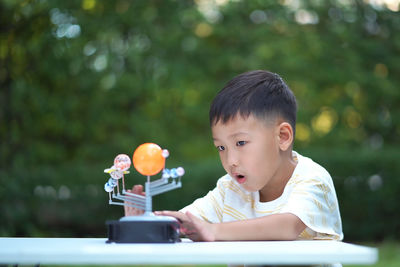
pixel 240 143
pixel 220 148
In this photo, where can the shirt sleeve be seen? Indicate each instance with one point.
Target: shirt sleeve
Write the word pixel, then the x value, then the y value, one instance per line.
pixel 314 201
pixel 210 207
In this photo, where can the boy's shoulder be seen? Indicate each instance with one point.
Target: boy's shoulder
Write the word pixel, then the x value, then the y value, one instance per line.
pixel 306 164
pixel 307 170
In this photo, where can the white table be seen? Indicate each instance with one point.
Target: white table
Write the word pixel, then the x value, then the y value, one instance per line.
pixel 96 251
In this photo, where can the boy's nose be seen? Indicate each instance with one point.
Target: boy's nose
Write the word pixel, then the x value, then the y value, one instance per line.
pixel 232 159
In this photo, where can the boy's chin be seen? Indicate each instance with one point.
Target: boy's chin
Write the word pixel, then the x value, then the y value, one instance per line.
pixel 249 188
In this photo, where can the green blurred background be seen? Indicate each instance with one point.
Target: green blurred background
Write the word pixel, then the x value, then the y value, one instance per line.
pixel 82 81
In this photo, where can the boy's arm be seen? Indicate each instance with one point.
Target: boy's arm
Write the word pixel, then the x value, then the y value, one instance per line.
pixel 285 226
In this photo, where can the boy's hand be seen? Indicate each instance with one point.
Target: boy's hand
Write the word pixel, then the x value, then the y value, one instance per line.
pixel 193 227
pixel 130 211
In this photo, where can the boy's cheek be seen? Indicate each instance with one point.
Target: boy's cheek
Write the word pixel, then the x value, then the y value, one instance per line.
pixel 225 167
pixel 222 159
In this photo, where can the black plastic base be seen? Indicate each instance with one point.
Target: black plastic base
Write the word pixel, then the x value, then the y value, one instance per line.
pixel 137 231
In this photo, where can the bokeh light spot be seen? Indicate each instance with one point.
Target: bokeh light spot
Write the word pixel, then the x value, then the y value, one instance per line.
pixel 375 182
pixel 203 30
pixel 381 70
pixel 324 122
pixel 88 4
pixel 302 132
pixel 352 117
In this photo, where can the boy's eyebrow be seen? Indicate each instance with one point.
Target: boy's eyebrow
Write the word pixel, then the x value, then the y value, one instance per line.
pixel 236 134
pixel 232 135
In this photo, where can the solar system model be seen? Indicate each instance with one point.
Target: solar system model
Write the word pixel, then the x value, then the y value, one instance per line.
pixel 148 159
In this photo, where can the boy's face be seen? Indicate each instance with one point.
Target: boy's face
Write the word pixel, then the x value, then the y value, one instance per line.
pixel 250 152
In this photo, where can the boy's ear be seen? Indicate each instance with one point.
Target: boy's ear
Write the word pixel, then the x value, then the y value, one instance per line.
pixel 285 136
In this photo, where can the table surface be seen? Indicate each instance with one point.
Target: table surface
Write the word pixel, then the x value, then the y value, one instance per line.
pixel 96 251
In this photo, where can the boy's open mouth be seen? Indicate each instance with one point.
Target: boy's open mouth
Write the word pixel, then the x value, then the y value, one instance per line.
pixel 240 178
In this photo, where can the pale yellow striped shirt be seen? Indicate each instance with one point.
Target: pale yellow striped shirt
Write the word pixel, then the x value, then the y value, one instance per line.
pixel 309 194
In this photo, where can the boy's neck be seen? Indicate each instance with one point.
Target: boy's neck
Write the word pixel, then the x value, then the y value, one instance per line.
pixel 275 189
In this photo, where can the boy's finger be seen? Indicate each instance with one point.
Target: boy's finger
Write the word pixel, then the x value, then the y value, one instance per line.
pixel 138 189
pixel 176 214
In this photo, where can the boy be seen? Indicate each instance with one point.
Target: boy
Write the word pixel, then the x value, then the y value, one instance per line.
pixel 269 192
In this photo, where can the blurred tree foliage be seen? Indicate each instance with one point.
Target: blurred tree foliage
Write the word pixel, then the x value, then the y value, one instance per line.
pixel 81 81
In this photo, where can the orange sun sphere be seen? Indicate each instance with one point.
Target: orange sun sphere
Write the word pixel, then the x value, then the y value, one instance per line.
pixel 148 159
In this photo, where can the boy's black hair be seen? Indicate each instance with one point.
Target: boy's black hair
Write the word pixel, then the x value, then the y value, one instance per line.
pixel 261 93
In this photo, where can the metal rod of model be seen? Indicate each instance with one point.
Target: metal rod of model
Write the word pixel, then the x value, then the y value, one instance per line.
pixel 148 159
